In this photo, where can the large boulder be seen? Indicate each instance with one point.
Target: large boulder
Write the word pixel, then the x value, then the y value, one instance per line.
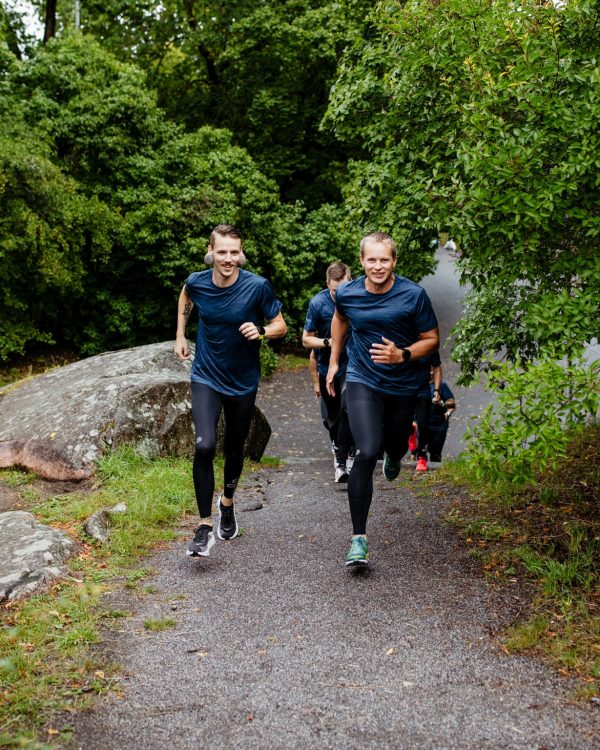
pixel 31 554
pixel 58 424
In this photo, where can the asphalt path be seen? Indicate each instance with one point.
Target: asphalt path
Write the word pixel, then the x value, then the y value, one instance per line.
pixel 275 644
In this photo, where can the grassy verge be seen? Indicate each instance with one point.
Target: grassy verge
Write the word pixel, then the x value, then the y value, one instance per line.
pixel 548 537
pixel 48 664
pixel 293 361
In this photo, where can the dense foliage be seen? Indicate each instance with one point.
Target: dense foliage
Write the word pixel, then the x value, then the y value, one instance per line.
pixel 482 117
pixel 308 122
pixel 107 206
pixel 262 70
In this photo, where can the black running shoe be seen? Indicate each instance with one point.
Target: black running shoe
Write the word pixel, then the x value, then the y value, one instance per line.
pixel 202 543
pixel 227 528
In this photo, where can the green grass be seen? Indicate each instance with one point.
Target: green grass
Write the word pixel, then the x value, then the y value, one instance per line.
pixel 271 461
pixel 293 361
pixel 156 626
pixel 47 664
pixel 13 478
pixel 547 537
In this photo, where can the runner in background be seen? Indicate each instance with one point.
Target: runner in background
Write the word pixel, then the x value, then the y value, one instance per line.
pixel 439 420
pixel 316 336
pixel 432 373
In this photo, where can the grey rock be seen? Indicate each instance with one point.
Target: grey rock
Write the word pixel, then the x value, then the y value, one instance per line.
pixel 98 524
pixel 58 424
pixel 258 437
pixel 31 554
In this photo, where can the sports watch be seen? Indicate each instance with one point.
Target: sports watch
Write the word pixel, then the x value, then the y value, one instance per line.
pixel 406 355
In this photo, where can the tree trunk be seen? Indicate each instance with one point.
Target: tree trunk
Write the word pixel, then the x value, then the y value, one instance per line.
pixel 211 69
pixel 50 26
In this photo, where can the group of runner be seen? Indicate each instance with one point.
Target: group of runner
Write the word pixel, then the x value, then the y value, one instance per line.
pixel 435 401
pixel 372 365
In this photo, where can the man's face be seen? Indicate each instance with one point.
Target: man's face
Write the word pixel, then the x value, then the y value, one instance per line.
pixel 226 253
pixel 377 261
pixel 333 285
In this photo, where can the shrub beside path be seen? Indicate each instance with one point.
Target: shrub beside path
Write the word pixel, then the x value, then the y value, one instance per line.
pixel 276 645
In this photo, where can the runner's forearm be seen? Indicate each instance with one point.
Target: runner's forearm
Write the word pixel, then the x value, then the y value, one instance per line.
pixel 184 310
pixel 339 328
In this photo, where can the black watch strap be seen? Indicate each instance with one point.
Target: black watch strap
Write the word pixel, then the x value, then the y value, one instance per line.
pixel 326 343
pixel 406 355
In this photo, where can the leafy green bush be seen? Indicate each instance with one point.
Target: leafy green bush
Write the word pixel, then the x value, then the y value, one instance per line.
pixel 530 422
pixel 268 360
pixel 482 117
pixel 107 206
pixel 262 70
pixel 52 239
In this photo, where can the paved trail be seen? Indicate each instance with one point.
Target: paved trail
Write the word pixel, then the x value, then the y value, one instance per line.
pixel 277 645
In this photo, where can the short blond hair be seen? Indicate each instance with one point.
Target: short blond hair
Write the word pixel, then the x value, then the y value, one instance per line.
pixel 379 237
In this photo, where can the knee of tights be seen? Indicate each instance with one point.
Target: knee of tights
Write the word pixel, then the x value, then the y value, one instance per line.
pixel 204 450
pixel 366 455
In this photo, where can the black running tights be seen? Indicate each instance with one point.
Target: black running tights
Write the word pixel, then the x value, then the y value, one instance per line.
pixel 206 408
pixel 436 440
pixel 375 419
pixel 335 417
pixel 422 412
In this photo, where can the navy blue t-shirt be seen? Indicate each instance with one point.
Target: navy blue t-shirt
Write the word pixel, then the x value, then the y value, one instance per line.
pixel 318 319
pixel 225 360
pixel 400 315
pixel 437 420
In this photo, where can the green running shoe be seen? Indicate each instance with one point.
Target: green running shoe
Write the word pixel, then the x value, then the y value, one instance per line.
pixel 391 469
pixel 359 552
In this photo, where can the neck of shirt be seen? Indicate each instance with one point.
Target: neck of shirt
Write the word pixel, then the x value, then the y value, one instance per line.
pixel 379 288
pixel 224 281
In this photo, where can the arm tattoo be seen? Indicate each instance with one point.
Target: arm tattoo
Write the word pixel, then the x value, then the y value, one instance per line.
pixel 187 311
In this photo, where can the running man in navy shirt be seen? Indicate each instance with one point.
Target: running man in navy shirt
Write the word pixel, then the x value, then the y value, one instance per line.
pixel 439 419
pixel 233 307
pixel 393 326
pixel 316 336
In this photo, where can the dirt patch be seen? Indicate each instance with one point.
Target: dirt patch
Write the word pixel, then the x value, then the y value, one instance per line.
pixel 20 497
